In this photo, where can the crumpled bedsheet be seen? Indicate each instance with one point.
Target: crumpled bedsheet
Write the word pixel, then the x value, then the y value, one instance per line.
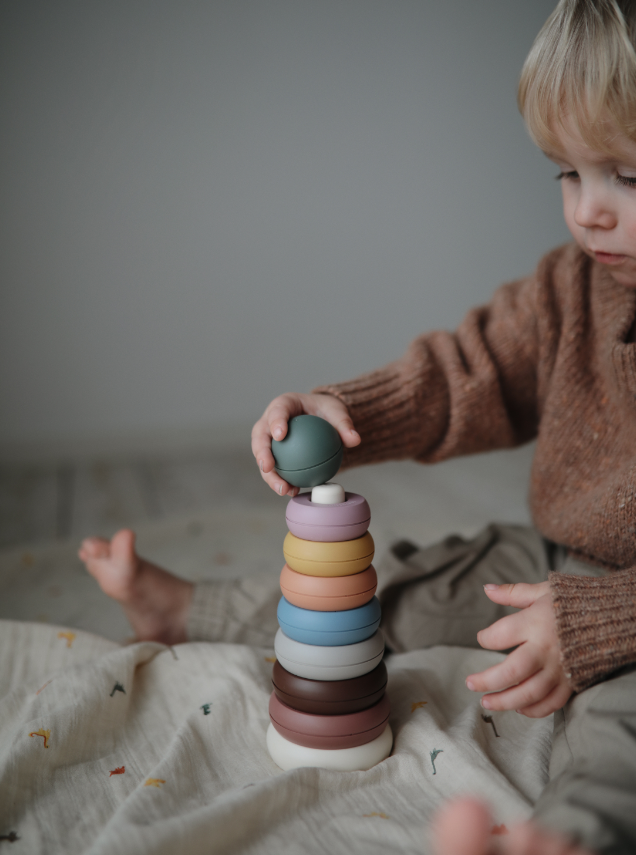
pixel 146 749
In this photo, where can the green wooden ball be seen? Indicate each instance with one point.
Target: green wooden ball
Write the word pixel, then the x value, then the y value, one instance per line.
pixel 310 454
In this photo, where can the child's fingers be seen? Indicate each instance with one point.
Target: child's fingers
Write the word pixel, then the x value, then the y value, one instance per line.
pixel 507 632
pixel 261 449
pixel 262 445
pixel 266 463
pixel 552 702
pixel 285 407
pixel 280 411
pixel 335 412
pixel 274 418
pixel 519 595
pixel 278 484
pixel 531 691
pixel 273 424
pixel 519 665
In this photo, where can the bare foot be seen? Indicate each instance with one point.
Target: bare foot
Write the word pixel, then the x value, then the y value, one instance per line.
pixel 155 602
pixel 464 827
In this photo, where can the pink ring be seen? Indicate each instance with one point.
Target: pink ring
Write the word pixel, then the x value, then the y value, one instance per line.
pixel 346 520
pixel 329 731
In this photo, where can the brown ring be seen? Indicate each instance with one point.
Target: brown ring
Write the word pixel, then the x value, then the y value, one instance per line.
pixel 326 697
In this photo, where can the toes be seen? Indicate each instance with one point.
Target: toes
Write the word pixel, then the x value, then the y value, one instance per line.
pixel 529 838
pixel 94 547
pixel 122 546
pixel 117 571
pixel 462 827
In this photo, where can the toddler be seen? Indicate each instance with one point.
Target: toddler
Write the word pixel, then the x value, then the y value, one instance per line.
pixel 552 357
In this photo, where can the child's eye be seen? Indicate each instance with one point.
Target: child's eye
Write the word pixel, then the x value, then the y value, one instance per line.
pixel 626 181
pixel 569 175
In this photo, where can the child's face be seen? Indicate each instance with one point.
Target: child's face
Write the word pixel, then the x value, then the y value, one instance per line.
pixel 599 201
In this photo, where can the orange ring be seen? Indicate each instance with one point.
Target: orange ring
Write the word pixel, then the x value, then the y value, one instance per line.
pixel 328 594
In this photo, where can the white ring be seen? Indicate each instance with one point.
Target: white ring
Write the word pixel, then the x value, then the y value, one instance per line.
pixel 287 755
pixel 341 662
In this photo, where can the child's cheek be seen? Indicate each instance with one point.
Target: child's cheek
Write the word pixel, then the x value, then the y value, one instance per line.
pixel 630 226
pixel 576 231
pixel 569 209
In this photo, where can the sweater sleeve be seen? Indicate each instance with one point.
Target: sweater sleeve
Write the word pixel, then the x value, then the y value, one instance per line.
pixel 596 624
pixel 238 611
pixel 453 393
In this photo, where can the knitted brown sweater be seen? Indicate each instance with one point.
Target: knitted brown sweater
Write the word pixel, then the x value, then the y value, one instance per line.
pixel 549 357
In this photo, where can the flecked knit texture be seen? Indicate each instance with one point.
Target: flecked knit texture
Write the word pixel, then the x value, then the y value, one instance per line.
pixel 597 631
pixel 551 358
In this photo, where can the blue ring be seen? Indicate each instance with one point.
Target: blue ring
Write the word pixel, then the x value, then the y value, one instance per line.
pixel 329 629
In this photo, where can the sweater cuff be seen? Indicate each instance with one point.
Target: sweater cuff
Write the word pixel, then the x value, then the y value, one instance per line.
pixel 596 624
pixel 241 611
pixel 206 620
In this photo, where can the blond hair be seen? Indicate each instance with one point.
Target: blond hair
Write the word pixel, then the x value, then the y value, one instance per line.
pixel 582 67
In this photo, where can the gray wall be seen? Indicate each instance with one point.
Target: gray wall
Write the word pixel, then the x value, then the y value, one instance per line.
pixel 207 203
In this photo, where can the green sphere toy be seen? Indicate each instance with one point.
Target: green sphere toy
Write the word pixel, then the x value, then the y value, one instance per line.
pixel 310 454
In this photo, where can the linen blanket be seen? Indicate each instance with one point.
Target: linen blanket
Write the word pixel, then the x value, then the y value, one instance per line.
pixel 146 749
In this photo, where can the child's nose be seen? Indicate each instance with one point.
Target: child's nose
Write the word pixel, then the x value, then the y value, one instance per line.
pixel 594 210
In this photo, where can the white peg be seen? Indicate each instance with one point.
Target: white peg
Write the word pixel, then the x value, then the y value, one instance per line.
pixel 328 494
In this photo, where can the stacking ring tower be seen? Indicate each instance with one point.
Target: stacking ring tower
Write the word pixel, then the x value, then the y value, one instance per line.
pixel 329 706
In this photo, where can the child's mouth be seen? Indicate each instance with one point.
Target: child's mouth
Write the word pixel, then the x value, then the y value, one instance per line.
pixel 608 257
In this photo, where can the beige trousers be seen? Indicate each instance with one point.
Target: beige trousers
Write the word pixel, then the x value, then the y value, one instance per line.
pixel 435 596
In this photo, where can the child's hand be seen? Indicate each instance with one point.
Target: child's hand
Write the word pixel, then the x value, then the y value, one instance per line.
pixel 531 679
pixel 273 424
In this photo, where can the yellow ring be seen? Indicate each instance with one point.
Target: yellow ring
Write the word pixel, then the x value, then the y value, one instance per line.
pixel 317 558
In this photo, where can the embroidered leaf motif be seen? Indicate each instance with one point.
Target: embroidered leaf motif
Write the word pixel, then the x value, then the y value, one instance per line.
pixel 206 708
pixel 154 782
pixel 118 771
pixel 416 705
pixel 46 734
pixel 118 688
pixel 434 754
pixel 489 720
pixel 69 636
